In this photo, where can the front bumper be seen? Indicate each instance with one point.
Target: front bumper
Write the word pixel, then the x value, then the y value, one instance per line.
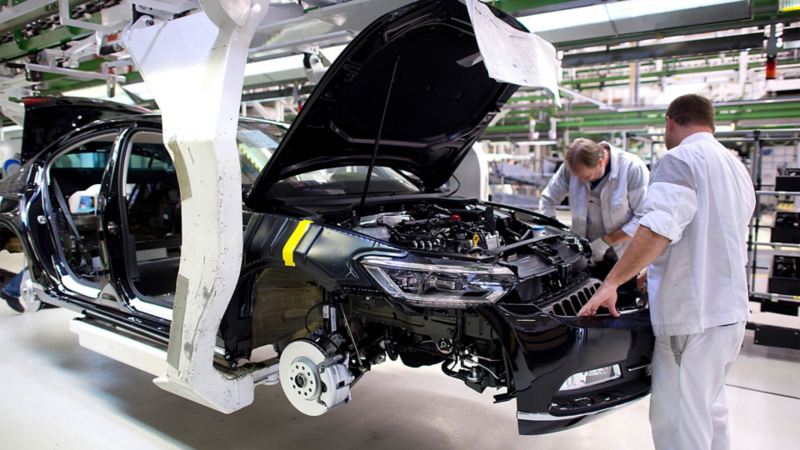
pixel 545 350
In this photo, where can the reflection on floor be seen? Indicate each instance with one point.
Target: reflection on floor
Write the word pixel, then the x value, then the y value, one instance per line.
pixel 53 393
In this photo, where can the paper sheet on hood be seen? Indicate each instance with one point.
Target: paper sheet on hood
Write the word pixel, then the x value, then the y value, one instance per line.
pixel 511 55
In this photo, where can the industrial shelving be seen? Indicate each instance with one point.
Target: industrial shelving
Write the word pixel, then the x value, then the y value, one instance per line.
pixel 789 305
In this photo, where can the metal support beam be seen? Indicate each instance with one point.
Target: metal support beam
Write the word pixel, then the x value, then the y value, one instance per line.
pixel 172 7
pixel 635 83
pixel 74 73
pixel 276 94
pixel 302 43
pixel 579 96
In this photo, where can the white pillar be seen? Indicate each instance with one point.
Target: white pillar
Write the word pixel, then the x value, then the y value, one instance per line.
pixel 194 67
pixel 744 59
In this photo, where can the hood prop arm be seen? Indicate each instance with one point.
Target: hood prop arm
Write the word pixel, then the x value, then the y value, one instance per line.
pixel 378 137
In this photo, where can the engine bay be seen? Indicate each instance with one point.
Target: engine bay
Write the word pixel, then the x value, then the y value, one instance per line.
pixel 470 229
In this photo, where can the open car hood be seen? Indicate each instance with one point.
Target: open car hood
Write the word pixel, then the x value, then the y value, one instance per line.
pixel 47 119
pixel 441 100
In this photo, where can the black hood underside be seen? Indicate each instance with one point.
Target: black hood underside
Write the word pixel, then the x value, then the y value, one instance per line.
pixel 440 102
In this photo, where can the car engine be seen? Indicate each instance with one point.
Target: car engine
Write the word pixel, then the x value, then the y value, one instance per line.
pixel 468 230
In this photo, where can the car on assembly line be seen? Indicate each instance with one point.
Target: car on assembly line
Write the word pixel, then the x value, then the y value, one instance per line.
pixel 357 247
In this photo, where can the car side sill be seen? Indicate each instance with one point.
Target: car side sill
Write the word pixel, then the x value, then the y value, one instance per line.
pixel 127 350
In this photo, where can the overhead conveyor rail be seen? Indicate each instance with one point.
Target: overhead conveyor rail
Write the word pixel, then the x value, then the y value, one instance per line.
pixel 30 26
pixel 517 122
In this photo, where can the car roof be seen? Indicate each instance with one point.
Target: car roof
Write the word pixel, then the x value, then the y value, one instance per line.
pixel 153 120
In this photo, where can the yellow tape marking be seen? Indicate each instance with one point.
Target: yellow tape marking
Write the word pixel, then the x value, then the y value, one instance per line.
pixel 291 244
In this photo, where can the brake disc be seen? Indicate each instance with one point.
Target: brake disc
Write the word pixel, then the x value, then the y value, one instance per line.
pixel 311 380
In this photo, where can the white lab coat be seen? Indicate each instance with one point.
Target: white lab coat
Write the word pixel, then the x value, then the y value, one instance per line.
pixel 701 198
pixel 621 196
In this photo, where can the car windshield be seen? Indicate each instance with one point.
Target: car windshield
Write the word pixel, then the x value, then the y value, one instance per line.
pixel 347 180
pixel 257 142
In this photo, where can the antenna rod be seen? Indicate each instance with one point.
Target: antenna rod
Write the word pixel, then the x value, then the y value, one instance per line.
pixel 378 137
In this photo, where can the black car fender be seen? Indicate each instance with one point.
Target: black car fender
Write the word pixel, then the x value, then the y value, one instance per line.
pixel 327 254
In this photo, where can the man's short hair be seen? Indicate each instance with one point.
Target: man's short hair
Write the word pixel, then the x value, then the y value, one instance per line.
pixel 691 109
pixel 585 152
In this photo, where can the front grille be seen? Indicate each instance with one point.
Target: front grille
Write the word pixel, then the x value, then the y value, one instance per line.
pixel 570 304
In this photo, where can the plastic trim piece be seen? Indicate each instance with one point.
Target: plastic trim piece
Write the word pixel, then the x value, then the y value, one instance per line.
pixel 546 417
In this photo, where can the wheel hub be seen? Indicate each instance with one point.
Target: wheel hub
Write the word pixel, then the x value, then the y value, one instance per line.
pixel 304 379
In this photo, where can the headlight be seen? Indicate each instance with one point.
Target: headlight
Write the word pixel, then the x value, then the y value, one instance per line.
pixel 591 377
pixel 442 284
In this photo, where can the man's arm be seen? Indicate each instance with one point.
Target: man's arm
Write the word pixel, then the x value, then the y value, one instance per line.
pixel 555 192
pixel 638 179
pixel 615 237
pixel 670 206
pixel 645 247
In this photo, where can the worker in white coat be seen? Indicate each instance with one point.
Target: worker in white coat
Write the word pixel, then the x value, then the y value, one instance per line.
pixel 606 188
pixel 692 235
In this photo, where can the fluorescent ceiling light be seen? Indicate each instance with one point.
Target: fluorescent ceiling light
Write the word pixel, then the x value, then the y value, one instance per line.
pixel 789 5
pixel 100 92
pixel 292 62
pixel 567 18
pixel 725 128
pixel 638 8
pixel 595 14
pixel 274 65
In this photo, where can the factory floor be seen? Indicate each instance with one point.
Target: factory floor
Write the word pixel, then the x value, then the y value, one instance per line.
pixel 55 394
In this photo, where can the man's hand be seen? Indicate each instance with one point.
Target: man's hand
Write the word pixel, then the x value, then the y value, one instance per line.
pixel 605 296
pixel 599 249
pixel 641 282
pixel 643 249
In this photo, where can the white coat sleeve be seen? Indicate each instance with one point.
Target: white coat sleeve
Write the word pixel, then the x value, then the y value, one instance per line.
pixel 671 201
pixel 638 178
pixel 555 192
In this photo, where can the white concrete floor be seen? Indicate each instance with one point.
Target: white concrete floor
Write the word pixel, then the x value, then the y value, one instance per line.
pixel 55 394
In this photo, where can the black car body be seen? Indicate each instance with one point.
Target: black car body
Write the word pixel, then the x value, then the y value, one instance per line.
pixel 362 267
